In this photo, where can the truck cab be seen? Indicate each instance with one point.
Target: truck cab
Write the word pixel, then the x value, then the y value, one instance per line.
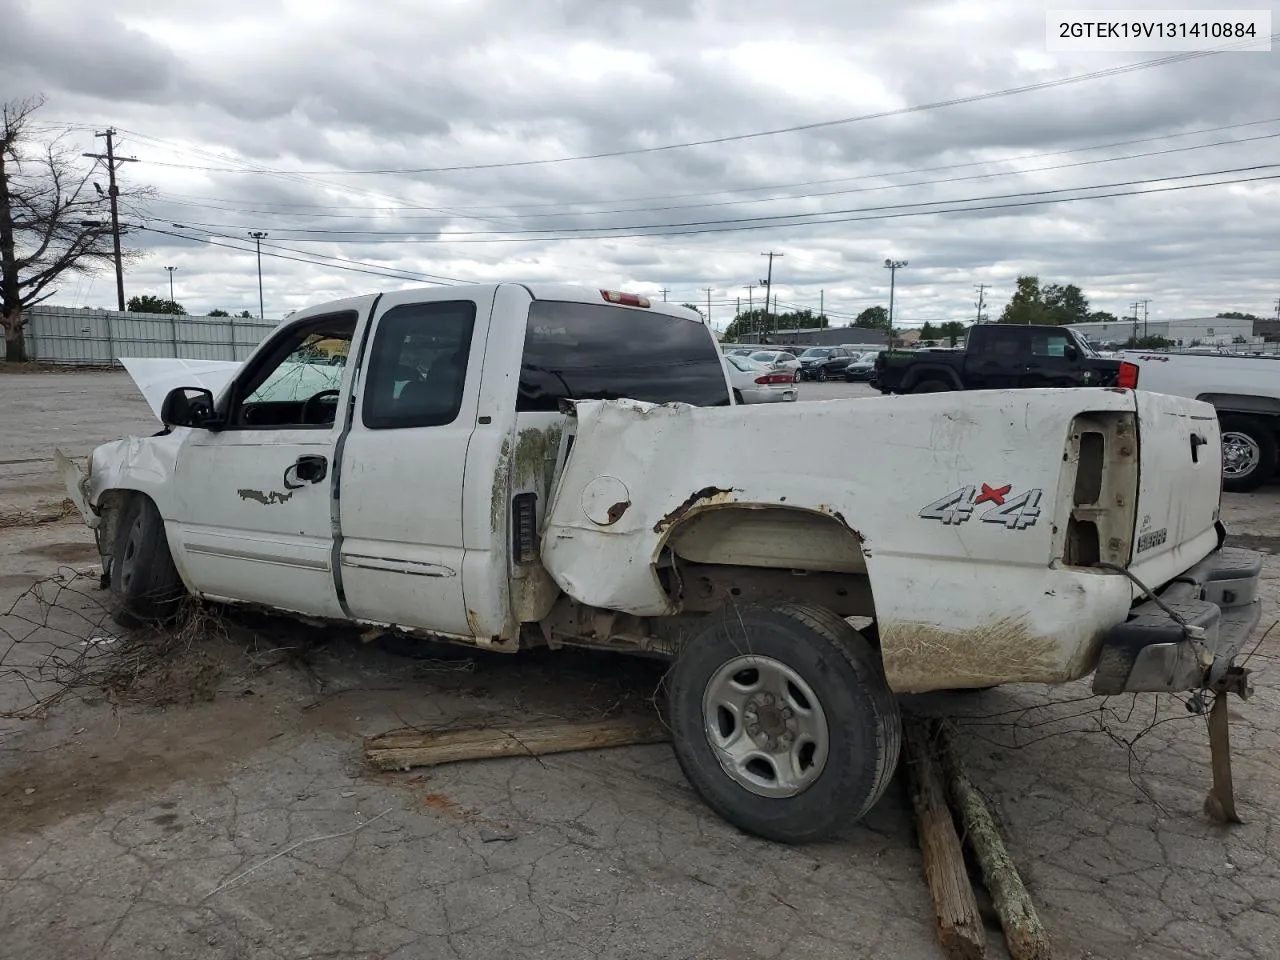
pixel 998 356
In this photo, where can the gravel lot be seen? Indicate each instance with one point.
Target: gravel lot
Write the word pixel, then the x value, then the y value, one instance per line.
pixel 238 820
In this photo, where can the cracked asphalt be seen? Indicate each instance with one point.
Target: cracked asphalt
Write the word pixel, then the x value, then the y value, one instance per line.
pixel 239 821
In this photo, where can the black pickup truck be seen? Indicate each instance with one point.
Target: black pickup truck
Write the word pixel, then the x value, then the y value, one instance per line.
pixel 998 356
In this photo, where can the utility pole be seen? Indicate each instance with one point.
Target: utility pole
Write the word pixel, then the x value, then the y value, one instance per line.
pixel 1144 316
pixel 171 269
pixel 751 305
pixel 258 236
pixel 708 290
pixel 768 286
pixel 1278 308
pixel 113 193
pixel 982 296
pixel 822 304
pixel 893 266
pixel 1134 307
pixel 664 291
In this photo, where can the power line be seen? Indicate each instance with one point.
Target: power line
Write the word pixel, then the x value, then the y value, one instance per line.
pixel 566 213
pixel 799 128
pixel 799 219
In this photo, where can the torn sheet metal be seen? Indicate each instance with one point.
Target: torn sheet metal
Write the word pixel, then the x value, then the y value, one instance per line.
pixel 955 501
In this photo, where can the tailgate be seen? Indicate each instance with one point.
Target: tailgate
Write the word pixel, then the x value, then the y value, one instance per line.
pixel 1179 486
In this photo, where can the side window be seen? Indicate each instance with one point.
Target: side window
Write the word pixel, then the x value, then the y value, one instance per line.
pixel 418 365
pixel 1048 345
pixel 584 351
pixel 297 381
pixel 1004 348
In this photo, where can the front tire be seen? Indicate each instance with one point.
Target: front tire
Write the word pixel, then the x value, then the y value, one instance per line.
pixel 782 721
pixel 144 584
pixel 822 374
pixel 1249 453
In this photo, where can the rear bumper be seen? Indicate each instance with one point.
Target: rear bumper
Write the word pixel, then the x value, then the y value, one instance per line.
pixel 1151 652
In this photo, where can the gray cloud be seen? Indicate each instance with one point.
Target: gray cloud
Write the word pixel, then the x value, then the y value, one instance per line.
pixel 335 87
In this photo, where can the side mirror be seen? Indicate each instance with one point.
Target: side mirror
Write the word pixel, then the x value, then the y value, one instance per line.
pixel 187 407
pixel 1072 352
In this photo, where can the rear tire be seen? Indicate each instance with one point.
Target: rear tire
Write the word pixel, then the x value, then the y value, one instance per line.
pixel 930 386
pixel 1249 453
pixel 730 728
pixel 144 584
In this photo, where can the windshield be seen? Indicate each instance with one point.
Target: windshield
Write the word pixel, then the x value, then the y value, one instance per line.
pixel 764 356
pixel 1086 348
pixel 815 352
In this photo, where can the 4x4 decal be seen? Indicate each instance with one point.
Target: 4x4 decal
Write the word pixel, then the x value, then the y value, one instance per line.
pixel 1014 512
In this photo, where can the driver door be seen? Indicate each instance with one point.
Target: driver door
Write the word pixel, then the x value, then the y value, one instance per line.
pixel 253 508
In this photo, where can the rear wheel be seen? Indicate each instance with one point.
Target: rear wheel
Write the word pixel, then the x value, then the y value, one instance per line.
pixel 783 722
pixel 1249 453
pixel 796 378
pixel 143 582
pixel 930 386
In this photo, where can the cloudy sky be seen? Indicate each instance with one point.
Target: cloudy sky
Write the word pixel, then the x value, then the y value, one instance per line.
pixel 486 140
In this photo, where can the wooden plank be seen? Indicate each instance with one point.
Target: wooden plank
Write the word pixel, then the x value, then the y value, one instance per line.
pixel 400 751
pixel 1023 933
pixel 955 908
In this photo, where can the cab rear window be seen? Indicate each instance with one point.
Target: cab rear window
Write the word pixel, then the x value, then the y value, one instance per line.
pixel 583 351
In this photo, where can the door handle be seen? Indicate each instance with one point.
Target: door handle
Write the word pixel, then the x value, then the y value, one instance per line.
pixel 310 468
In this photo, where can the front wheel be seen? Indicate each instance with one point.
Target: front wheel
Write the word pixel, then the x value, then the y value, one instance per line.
pixel 822 374
pixel 143 582
pixel 782 721
pixel 1249 453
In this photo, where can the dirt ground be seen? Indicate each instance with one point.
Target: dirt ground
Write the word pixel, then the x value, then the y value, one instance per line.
pixel 204 796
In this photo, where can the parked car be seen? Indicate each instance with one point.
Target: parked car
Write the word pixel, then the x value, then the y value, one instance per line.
pixel 998 356
pixel 779 360
pixel 862 368
pixel 824 363
pixel 564 467
pixel 756 382
pixel 1244 390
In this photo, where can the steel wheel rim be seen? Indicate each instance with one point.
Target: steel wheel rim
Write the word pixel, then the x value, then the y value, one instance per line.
pixel 1240 454
pixel 766 726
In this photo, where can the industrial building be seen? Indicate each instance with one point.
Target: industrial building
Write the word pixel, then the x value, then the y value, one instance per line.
pixel 1188 332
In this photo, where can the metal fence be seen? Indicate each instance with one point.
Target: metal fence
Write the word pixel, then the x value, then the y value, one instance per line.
pixel 101 337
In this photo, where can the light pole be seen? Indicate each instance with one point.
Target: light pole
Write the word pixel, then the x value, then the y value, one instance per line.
pixel 257 239
pixel 171 269
pixel 892 266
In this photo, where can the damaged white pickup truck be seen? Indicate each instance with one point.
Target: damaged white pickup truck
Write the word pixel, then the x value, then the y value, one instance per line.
pixel 510 466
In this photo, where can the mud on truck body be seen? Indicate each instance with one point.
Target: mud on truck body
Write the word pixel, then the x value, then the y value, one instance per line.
pixel 512 466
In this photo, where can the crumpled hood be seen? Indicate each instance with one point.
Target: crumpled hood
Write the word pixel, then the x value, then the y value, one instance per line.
pixel 156 376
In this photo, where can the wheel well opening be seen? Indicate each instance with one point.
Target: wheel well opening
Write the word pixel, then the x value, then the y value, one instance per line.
pixel 731 553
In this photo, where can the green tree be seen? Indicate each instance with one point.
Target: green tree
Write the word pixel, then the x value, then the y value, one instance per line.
pixel 952 330
pixel 1053 305
pixel 1147 343
pixel 753 325
pixel 1102 316
pixel 1066 303
pixel 1233 315
pixel 150 304
pixel 244 315
pixel 929 331
pixel 218 312
pixel 875 318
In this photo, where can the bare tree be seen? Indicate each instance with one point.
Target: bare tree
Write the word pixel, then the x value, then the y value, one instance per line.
pixel 50 220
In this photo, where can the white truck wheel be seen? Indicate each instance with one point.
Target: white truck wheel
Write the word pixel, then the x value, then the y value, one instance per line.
pixel 782 721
